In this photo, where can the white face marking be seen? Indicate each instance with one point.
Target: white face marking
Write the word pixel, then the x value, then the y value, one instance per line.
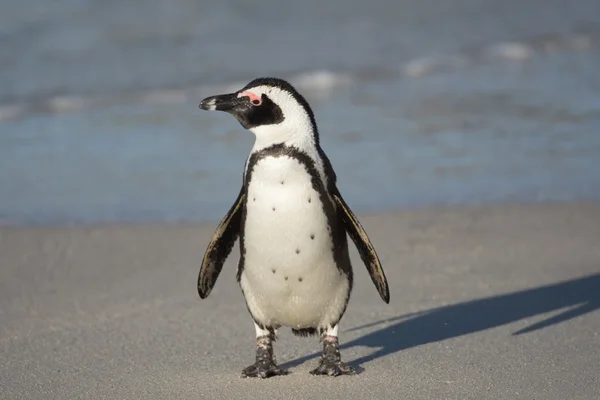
pixel 295 129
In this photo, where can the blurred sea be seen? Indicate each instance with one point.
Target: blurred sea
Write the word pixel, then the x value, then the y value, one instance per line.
pixel 419 103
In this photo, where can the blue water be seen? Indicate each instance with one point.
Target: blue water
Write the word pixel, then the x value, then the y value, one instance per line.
pixel 418 103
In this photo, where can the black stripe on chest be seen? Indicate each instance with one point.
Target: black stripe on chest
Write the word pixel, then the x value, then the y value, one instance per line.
pixel 281 150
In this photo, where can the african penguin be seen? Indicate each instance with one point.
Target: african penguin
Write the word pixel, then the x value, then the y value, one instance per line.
pixel 294 269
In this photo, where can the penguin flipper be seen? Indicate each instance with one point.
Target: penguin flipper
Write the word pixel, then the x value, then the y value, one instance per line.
pixel 220 246
pixel 364 246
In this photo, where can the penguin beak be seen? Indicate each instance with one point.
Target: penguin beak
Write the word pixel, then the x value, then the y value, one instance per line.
pixel 223 102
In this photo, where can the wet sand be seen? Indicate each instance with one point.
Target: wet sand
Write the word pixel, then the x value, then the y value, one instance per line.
pixel 486 303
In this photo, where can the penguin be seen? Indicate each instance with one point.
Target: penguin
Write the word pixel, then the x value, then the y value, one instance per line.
pixel 292 223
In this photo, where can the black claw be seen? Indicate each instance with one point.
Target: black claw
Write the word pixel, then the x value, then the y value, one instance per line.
pixel 333 368
pixel 263 370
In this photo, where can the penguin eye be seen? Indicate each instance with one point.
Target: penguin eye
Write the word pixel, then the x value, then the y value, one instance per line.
pixel 256 102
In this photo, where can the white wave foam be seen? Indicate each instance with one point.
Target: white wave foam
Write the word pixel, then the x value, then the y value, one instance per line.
pixel 581 42
pixel 420 67
pixel 11 112
pixel 426 66
pixel 319 82
pixel 61 104
pixel 513 51
pixel 165 97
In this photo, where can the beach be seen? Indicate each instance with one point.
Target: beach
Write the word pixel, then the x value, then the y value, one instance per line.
pixel 490 302
pixel 464 135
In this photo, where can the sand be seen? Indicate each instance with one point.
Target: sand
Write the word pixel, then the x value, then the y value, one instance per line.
pixel 486 303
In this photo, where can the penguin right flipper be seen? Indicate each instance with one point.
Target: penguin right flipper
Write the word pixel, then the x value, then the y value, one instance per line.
pixel 220 246
pixel 364 247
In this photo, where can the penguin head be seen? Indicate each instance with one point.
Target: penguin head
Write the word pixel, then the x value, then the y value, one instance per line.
pixel 271 108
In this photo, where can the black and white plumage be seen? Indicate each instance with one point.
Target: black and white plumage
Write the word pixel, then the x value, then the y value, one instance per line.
pixel 294 269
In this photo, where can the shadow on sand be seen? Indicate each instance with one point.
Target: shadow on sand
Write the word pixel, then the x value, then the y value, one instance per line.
pixel 581 296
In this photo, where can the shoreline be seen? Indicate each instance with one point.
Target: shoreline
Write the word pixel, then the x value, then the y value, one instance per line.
pixel 428 208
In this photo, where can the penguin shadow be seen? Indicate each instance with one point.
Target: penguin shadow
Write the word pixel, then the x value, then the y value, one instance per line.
pixel 580 296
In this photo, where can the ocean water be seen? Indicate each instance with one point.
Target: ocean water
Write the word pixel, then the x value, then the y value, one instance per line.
pixel 419 103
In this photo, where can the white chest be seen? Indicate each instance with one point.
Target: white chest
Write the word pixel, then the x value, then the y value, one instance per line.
pixel 285 218
pixel 290 276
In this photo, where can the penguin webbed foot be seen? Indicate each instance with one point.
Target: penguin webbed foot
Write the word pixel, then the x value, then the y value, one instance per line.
pixel 263 369
pixel 265 365
pixel 330 362
pixel 333 368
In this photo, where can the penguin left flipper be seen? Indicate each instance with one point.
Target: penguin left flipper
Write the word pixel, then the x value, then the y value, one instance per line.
pixel 364 246
pixel 220 246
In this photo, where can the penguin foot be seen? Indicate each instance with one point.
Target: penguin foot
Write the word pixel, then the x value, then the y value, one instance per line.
pixel 330 363
pixel 333 368
pixel 265 369
pixel 265 365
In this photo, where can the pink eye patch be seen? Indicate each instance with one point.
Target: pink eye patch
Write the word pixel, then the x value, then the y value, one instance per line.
pixel 254 99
